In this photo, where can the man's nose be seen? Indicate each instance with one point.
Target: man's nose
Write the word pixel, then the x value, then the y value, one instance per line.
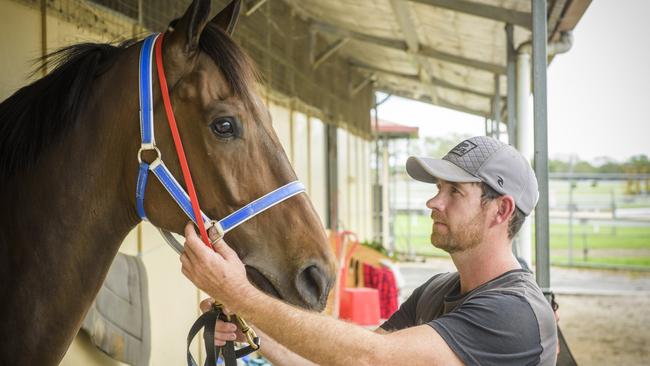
pixel 436 203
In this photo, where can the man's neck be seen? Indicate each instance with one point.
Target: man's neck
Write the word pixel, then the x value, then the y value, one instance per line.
pixel 484 262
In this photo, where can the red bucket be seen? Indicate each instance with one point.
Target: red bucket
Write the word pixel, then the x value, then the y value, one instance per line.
pixel 360 305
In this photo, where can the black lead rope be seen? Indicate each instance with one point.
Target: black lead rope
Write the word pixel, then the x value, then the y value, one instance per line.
pixel 207 321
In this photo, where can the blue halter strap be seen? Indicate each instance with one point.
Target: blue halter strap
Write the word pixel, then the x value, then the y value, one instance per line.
pixel 167 179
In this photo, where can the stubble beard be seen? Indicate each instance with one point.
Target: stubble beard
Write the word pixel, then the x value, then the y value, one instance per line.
pixel 460 237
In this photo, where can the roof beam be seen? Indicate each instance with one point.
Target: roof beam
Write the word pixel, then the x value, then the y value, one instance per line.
pixel 441 102
pixel 497 13
pixel 354 89
pixel 435 81
pixel 405 21
pixel 328 52
pixel 554 14
pixel 402 46
pixel 570 17
pixel 253 7
pixel 454 59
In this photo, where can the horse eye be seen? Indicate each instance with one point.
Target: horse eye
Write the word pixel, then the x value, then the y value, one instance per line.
pixel 223 127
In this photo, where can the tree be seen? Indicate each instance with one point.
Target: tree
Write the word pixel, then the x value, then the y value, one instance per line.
pixel 558 166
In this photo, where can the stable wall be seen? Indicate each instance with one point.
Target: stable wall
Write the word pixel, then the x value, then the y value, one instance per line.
pixel 300 127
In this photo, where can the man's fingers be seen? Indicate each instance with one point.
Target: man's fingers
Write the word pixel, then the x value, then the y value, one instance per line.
pixel 224 249
pixel 225 331
pixel 225 327
pixel 194 247
pixel 190 240
pixel 206 305
pixel 228 336
pixel 189 230
pixel 185 261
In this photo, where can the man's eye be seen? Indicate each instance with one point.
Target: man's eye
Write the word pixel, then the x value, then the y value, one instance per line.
pixel 223 127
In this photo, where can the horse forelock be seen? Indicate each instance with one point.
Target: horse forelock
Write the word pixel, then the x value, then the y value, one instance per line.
pixel 236 66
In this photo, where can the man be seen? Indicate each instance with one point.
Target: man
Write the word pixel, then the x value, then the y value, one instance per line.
pixel 490 312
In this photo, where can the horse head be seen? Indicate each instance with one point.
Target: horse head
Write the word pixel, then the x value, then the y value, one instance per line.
pixel 235 157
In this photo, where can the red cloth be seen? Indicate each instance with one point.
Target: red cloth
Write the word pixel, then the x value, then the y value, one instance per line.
pixel 384 281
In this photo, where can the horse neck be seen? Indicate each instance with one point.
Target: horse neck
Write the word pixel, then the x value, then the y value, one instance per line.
pixel 63 222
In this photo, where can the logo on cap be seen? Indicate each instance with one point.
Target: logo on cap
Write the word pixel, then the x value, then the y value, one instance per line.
pixel 463 148
pixel 500 181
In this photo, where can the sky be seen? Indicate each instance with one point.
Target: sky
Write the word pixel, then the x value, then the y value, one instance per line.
pixel 598 92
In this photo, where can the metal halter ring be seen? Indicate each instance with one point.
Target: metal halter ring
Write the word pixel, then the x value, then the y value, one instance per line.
pixel 217 226
pixel 147 148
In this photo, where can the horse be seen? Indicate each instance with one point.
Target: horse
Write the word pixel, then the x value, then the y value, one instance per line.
pixel 68 168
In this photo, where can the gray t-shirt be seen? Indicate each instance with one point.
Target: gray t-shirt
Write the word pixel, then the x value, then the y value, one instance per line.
pixel 506 321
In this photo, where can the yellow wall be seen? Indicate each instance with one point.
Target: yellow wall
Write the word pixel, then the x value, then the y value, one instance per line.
pixel 173 300
pixel 20 30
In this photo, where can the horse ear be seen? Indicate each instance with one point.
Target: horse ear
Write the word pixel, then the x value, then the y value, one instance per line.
pixel 227 18
pixel 187 30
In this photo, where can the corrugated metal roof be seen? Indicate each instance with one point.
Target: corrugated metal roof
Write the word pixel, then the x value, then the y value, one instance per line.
pixel 445 52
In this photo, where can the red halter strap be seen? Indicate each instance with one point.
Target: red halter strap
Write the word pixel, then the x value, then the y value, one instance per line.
pixel 178 143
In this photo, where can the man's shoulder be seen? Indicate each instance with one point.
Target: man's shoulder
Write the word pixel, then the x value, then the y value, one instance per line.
pixel 440 283
pixel 519 281
pixel 512 306
pixel 442 278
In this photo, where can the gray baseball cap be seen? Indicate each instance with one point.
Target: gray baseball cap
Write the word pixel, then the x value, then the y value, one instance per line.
pixel 482 159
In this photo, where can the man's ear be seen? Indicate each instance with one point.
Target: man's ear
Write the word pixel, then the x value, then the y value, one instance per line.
pixel 227 18
pixel 505 209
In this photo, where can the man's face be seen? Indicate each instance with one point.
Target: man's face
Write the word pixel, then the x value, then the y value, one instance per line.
pixel 458 217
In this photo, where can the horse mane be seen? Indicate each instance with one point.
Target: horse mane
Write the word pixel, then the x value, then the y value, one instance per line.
pixel 39 115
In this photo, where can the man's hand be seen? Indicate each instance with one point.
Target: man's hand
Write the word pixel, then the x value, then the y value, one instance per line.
pixel 223 331
pixel 220 273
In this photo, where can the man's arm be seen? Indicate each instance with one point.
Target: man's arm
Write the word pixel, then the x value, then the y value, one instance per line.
pixel 316 337
pixel 275 352
pixel 328 341
pixel 280 355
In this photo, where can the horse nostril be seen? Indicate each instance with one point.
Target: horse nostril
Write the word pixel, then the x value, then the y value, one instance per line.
pixel 313 284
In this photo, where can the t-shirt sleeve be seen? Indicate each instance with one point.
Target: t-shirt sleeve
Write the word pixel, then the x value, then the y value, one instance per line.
pixel 404 317
pixel 493 328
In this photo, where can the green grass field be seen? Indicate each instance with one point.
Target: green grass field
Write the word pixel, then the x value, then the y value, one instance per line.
pixel 606 244
pixel 601 192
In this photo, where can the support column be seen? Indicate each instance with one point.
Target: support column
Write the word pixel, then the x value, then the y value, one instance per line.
pixel 376 194
pixel 524 144
pixel 496 107
pixel 487 127
pixel 542 260
pixel 511 85
pixel 385 206
pixel 332 178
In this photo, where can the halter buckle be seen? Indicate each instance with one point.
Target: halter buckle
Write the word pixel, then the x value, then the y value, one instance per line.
pixel 219 232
